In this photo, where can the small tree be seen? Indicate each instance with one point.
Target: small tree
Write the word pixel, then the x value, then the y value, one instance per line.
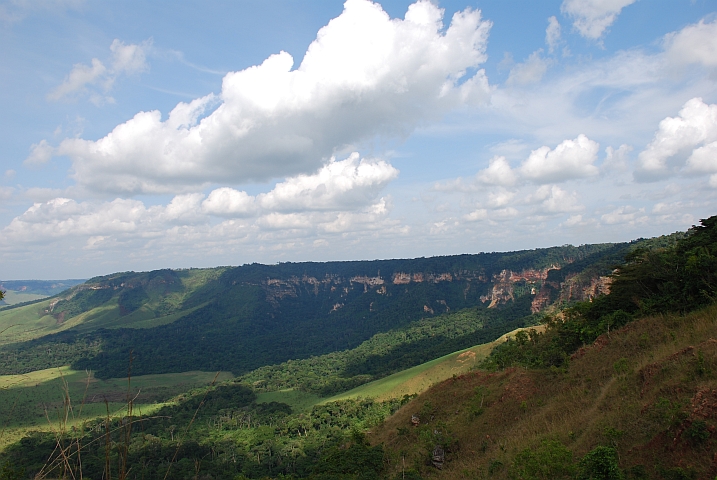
pixel 600 464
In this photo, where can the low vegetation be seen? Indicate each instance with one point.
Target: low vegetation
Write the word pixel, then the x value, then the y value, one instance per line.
pixel 642 401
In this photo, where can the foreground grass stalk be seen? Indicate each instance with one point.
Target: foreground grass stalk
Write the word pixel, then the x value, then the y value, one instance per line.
pixel 186 430
pixel 126 424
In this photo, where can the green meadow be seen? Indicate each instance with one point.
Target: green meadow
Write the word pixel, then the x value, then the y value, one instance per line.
pixel 46 399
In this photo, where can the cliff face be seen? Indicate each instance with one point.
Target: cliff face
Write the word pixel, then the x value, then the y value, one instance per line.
pixel 502 287
pixel 397 289
pixel 507 285
pixel 504 284
pixel 574 287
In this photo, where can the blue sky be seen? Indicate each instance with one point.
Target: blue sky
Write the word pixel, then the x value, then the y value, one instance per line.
pixel 142 135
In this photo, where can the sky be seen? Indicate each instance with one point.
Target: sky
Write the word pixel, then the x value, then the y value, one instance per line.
pixel 177 134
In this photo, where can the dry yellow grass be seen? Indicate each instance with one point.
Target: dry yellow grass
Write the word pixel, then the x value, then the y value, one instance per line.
pixel 624 390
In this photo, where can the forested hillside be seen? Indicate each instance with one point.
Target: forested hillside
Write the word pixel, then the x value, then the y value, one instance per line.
pixel 246 317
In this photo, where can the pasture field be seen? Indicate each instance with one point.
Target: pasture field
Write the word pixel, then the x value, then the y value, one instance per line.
pixel 420 378
pixel 36 401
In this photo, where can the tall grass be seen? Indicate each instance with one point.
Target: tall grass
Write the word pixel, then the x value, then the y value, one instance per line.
pixel 72 434
pixel 634 391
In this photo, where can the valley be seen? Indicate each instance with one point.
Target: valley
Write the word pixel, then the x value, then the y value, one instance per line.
pixel 328 369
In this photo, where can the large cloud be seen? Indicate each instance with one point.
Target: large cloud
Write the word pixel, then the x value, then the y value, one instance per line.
pixel 683 140
pixel 365 74
pixel 571 159
pixel 337 186
pixel 592 17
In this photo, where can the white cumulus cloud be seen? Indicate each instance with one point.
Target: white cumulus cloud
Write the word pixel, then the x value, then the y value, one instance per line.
pixel 40 153
pixel 627 215
pixel 341 196
pixel 694 44
pixel 679 141
pixel 365 74
pixel 227 202
pixel 616 160
pixel 571 159
pixel 339 185
pixel 497 173
pixel 64 217
pixel 592 17
pixel 553 199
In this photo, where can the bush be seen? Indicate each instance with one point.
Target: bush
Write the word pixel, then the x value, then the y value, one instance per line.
pixel 9 472
pixel 600 464
pixel 551 460
pixel 697 433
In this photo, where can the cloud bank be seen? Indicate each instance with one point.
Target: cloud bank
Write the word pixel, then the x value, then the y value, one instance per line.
pixel 336 198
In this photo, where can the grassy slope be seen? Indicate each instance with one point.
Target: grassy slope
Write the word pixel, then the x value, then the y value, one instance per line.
pixel 24 399
pixel 25 323
pixel 421 377
pixel 640 389
pixel 30 321
pixel 407 382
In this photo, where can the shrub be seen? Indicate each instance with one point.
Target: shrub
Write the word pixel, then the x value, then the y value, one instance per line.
pixel 697 433
pixel 9 472
pixel 551 460
pixel 600 464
